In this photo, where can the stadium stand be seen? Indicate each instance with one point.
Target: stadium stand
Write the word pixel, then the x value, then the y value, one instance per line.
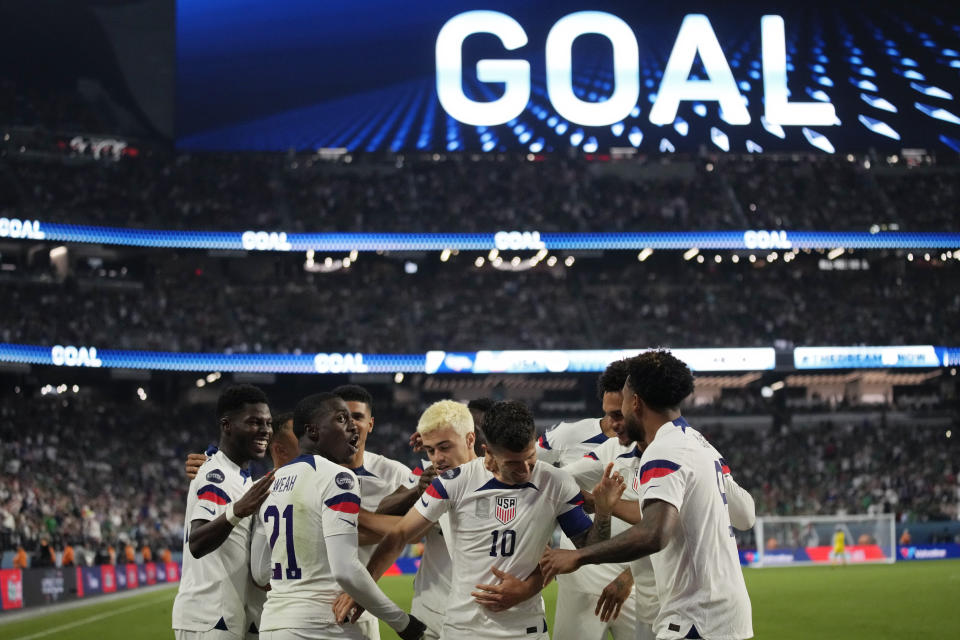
pixel 300 193
pixel 191 302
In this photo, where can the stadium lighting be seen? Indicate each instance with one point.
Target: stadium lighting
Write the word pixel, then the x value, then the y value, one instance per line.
pixel 772 257
pixel 689 254
pixel 766 392
pixel 949 433
pixel 646 253
pixel 76 388
pixel 569 261
pixel 753 258
pixel 551 261
pixel 492 255
pixel 346 263
pixel 353 255
pixel 201 383
pixel 515 261
pixel 910 257
pixel 398 377
pixel 717 259
pixel 926 257
pixel 478 262
pixel 141 393
pixel 700 259
pixel 444 255
pixel 835 253
pixel 410 267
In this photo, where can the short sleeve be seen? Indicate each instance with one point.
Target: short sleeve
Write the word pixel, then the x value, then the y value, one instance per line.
pixel 212 500
pixel 546 450
pixel 661 479
pixel 413 478
pixel 571 517
pixel 587 471
pixel 435 501
pixel 340 504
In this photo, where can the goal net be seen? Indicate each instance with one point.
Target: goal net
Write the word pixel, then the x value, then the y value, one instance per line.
pixel 810 540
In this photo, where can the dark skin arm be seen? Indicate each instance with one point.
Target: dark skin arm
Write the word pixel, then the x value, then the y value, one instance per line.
pixel 402 500
pixel 208 535
pixel 660 521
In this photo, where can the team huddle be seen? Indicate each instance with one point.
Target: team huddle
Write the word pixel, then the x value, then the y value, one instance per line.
pixel 297 554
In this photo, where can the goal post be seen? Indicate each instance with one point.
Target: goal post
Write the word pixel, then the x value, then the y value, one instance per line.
pixel 809 540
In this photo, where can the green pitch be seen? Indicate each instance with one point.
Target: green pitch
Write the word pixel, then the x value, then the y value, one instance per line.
pixel 875 602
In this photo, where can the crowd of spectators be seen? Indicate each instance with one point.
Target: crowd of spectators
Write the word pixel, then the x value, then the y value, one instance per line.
pixel 851 467
pixel 463 193
pixel 197 303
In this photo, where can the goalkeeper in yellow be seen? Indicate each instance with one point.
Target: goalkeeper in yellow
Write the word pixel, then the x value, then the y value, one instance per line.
pixel 839 551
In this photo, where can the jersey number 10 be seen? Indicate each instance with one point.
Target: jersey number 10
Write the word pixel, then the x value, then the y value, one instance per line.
pixel 507 543
pixel 293 571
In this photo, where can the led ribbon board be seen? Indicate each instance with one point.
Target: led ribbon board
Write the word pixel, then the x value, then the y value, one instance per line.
pixel 254 240
pixel 748 359
pixel 476 362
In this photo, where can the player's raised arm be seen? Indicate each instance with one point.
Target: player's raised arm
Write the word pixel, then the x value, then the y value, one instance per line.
pixel 208 535
pixel 606 494
pixel 403 499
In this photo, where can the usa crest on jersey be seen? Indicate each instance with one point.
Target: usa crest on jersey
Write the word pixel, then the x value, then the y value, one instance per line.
pixel 506 509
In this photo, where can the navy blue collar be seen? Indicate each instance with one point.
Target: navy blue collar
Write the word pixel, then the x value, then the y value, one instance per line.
pixel 362 471
pixel 493 483
pixel 682 423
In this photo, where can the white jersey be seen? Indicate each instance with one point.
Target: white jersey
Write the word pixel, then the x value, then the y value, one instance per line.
pixel 379 477
pixel 567 442
pixel 501 525
pixel 310 499
pixel 587 472
pixel 698 573
pixel 431 585
pixel 213 588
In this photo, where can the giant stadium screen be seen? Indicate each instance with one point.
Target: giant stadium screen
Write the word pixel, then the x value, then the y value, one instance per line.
pixel 543 76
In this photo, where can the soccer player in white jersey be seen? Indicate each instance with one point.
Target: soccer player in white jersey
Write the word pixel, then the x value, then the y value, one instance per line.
pixel 626 455
pixel 305 541
pixel 579 593
pixel 379 476
pixel 446 434
pixel 502 510
pixel 216 547
pixel 686 524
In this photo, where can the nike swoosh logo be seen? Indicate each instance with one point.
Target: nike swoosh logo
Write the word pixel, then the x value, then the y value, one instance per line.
pixel 353 524
pixel 212 512
pixel 424 502
pixel 653 486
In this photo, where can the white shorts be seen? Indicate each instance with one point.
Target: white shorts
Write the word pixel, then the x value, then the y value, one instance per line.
pixel 212 634
pixel 322 632
pixel 575 619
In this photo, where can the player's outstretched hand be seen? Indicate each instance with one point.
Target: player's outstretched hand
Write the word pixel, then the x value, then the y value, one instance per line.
pixel 194 462
pixel 254 497
pixel 414 630
pixel 608 491
pixel 557 561
pixel 426 478
pixel 613 596
pixel 345 609
pixel 416 442
pixel 499 597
